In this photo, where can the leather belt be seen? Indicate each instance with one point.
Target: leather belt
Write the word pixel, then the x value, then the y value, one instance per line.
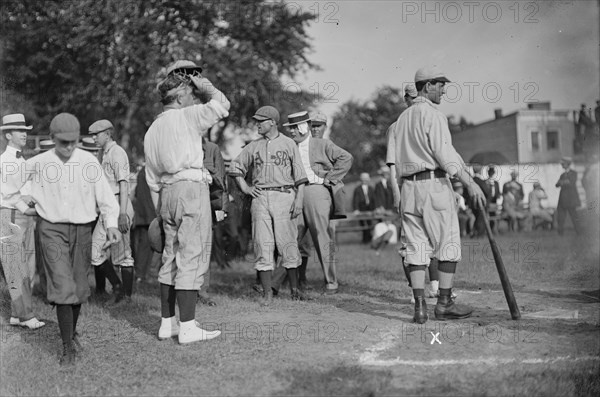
pixel 282 189
pixel 427 174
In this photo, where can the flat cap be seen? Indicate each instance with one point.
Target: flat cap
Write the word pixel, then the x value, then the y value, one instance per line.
pixel 65 126
pixel 266 113
pixel 430 73
pixel 99 126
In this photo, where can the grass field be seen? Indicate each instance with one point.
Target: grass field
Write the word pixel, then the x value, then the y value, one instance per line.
pixel 358 342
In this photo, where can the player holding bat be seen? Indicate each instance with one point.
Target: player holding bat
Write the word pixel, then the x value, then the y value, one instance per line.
pixel 420 147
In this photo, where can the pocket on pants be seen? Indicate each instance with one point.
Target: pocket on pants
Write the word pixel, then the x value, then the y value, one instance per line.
pixel 441 200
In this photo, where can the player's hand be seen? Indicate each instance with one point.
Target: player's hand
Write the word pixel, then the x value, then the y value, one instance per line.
pixel 327 183
pixel 113 236
pixel 123 223
pixel 477 195
pixel 296 208
pixel 253 191
pixel 203 84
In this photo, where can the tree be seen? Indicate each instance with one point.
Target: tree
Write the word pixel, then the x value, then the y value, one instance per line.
pixel 103 58
pixel 360 127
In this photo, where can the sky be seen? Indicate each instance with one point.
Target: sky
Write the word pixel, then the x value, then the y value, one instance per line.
pixel 498 54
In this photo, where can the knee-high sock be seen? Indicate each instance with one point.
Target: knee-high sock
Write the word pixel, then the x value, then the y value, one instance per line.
pixel 64 314
pixel 76 309
pixel 302 269
pixel 186 300
pixel 100 279
pixel 167 301
pixel 293 277
pixel 433 270
pixel 265 279
pixel 127 276
pixel 109 271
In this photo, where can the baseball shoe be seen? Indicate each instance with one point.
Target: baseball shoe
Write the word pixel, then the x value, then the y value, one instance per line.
pixel 446 309
pixel 77 344
pixel 297 295
pixel 32 323
pixel 169 327
pixel 420 316
pixel 258 288
pixel 68 356
pixel 267 298
pixel 331 291
pixel 190 331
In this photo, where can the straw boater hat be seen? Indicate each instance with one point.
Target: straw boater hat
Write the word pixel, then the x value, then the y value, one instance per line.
pixel 14 122
pixel 88 144
pixel 46 145
pixel 297 118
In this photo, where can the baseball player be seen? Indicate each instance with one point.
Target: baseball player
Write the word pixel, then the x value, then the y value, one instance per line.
pixel 277 192
pixel 115 164
pixel 176 175
pixel 420 147
pixel 66 201
pixel 17 244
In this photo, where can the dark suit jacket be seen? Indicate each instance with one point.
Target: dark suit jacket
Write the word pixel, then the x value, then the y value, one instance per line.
pixel 569 197
pixel 384 196
pixel 494 188
pixel 359 201
pixel 213 162
pixel 143 207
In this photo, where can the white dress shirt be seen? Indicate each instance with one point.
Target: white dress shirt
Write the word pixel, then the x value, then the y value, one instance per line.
pixel 13 180
pixel 305 157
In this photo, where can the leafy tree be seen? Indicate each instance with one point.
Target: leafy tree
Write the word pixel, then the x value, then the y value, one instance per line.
pixel 103 58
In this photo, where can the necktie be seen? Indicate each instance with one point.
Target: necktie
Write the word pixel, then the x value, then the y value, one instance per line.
pixel 19 154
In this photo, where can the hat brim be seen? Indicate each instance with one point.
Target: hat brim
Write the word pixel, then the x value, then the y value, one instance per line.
pixel 318 122
pixel 67 136
pixel 16 127
pixel 185 70
pixel 258 117
pixel 296 123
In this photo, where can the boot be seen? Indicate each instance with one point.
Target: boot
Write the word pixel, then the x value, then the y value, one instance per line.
pixel 169 327
pixel 118 294
pixel 420 316
pixel 297 295
pixel 68 355
pixel 446 309
pixel 267 298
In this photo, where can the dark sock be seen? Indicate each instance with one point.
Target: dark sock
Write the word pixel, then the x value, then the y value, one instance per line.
pixel 407 274
pixel 100 279
pixel 64 313
pixel 445 291
pixel 418 293
pixel 109 272
pixel 167 301
pixel 127 276
pixel 302 270
pixel 433 270
pixel 257 277
pixel 186 300
pixel 265 279
pixel 76 309
pixel 293 277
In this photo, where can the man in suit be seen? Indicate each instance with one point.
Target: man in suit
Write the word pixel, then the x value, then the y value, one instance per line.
pixel 384 195
pixel 494 188
pixel 478 178
pixel 568 200
pixel 364 200
pixel 325 165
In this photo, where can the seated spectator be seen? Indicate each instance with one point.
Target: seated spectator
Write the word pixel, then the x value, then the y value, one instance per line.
pixel 536 209
pixel 513 211
pixel 515 188
pixel 384 195
pixel 384 233
pixel 466 218
pixel 364 200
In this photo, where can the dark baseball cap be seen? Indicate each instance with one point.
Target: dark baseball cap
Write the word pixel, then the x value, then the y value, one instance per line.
pixel 266 113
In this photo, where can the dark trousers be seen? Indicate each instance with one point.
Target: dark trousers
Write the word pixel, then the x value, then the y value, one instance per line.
pixel 561 216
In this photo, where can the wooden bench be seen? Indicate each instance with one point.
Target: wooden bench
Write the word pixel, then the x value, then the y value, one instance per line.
pixel 360 222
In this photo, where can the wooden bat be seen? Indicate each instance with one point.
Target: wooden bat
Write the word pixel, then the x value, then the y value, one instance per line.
pixel 508 292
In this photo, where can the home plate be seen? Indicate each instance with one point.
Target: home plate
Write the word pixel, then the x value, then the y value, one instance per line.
pixel 555 313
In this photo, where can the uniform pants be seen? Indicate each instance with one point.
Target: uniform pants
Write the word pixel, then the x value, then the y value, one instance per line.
pixel 273 226
pixel 187 221
pixel 18 259
pixel 429 221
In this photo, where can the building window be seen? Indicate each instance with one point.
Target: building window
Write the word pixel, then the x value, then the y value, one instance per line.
pixel 552 139
pixel 535 141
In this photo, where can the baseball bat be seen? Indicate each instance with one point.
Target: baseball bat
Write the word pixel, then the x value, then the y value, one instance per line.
pixel 508 292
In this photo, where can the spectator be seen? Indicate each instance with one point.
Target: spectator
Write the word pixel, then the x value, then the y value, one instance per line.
pixel 364 200
pixel 590 183
pixel 480 181
pixel 494 188
pixel 384 233
pixel 466 218
pixel 536 209
pixel 383 193
pixel 515 187
pixel 513 211
pixel 568 200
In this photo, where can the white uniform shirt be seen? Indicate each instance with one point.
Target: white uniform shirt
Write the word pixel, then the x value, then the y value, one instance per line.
pixel 69 192
pixel 173 144
pixel 116 165
pixel 305 157
pixel 13 180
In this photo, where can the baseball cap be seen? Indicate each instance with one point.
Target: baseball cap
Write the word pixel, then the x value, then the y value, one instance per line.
pixel 100 126
pixel 318 118
pixel 410 90
pixel 430 73
pixel 266 113
pixel 65 126
pixel 184 66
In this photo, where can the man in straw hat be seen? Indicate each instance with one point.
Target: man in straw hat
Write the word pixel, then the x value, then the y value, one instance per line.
pixel 277 192
pixel 115 164
pixel 179 185
pixel 68 185
pixel 325 165
pixel 420 147
pixel 18 245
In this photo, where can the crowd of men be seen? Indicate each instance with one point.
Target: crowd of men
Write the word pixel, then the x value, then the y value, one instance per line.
pixel 72 209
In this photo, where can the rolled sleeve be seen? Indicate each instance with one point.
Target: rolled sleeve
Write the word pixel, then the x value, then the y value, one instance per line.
pixel 204 116
pixel 390 157
pixel 241 164
pixel 107 202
